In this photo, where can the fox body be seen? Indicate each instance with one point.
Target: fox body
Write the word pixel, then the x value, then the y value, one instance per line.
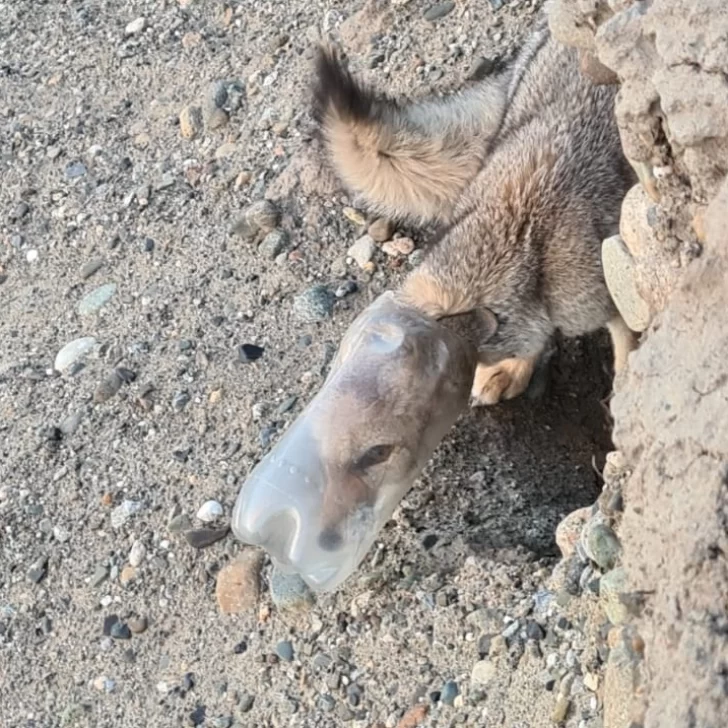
pixel 526 170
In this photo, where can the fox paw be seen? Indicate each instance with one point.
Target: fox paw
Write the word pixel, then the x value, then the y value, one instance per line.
pixel 504 380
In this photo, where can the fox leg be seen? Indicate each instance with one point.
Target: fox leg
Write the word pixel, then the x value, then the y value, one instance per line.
pixel 504 380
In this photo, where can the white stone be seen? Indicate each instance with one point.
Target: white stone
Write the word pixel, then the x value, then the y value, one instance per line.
pixel 136 26
pixel 137 553
pixel 210 511
pixel 73 351
pixel 363 250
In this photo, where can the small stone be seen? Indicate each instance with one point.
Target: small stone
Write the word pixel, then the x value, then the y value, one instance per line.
pixel 138 625
pixel 398 247
pixel 19 211
pixel 104 684
pixel 413 717
pixel 203 537
pixel 569 530
pixel 74 352
pixel 210 511
pixel 440 10
pixel 483 673
pixel 449 692
pixel 602 546
pixel 346 289
pixel 190 122
pixel 287 405
pixel 242 179
pixel 591 681
pixel 263 215
pixel 245 702
pixel 124 511
pixel 107 388
pixel 362 251
pixel 92 302
pixel 273 244
pixel 179 523
pixel 148 245
pixel 284 650
pixel 314 304
pixel 100 575
pixel 128 575
pixel 91 267
pixel 534 631
pixel 561 709
pixel 238 584
pixel 497 4
pixel 74 170
pixel 611 586
pixel 326 703
pixel 381 229
pixel 135 27
pixel 354 216
pixel 61 534
pixel 216 119
pixel 620 275
pixel 290 592
pixel 120 631
pixel 250 352
pixel 137 553
pixel 38 569
pixel 180 401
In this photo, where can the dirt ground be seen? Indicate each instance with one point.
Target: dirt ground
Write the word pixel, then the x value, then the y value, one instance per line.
pixel 101 185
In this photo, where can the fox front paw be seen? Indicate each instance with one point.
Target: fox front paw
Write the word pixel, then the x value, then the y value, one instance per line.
pixel 504 380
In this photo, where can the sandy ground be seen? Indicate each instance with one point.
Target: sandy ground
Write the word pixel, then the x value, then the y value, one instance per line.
pixel 101 186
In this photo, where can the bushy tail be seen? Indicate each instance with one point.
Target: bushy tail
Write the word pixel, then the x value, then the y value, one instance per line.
pixel 407 160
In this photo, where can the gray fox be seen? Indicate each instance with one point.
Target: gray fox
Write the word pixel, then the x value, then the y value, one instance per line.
pixel 526 172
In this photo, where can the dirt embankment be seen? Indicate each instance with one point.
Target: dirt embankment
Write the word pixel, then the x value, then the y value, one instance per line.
pixel 669 273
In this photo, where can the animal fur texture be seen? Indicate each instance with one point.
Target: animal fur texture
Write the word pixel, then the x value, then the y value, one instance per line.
pixel 526 170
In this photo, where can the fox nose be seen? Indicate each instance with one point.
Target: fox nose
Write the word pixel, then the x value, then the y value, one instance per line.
pixel 330 539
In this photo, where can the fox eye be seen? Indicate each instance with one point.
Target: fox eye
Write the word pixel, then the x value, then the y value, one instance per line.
pixel 374 456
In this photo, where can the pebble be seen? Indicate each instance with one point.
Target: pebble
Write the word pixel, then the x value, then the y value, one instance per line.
pixel 61 534
pixel 346 289
pixel 263 215
pixel 439 11
pixel 107 388
pixel 38 569
pixel 413 717
pixel 245 702
pixel 73 352
pixel 449 692
pixel 104 684
pixel 19 212
pixel 225 150
pixel 238 584
pixel 135 27
pixel 399 246
pixel 124 511
pixel 138 625
pixel 611 585
pixel 137 553
pixel 32 256
pixel 602 546
pixel 210 511
pixel 381 229
pixel 180 401
pixel 190 122
pixel 100 575
pixel 128 574
pixel 250 352
pixel 201 538
pixel 273 244
pixel 120 631
pixel 284 650
pixel 569 530
pixel 179 524
pixel 483 672
pixel 534 631
pixel 96 299
pixel 75 170
pixel 91 267
pixel 314 304
pixel 362 251
pixel 290 592
pixel 354 216
pixel 561 709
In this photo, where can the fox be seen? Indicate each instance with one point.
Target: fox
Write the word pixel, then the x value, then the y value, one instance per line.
pixel 525 174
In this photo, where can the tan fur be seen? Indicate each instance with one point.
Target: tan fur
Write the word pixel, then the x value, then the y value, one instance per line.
pixel 624 341
pixel 521 257
pixel 504 380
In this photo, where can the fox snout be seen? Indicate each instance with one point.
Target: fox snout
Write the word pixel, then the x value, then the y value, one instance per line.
pixel 344 493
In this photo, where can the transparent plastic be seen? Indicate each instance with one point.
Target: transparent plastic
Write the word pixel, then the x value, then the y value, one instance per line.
pixel 318 499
